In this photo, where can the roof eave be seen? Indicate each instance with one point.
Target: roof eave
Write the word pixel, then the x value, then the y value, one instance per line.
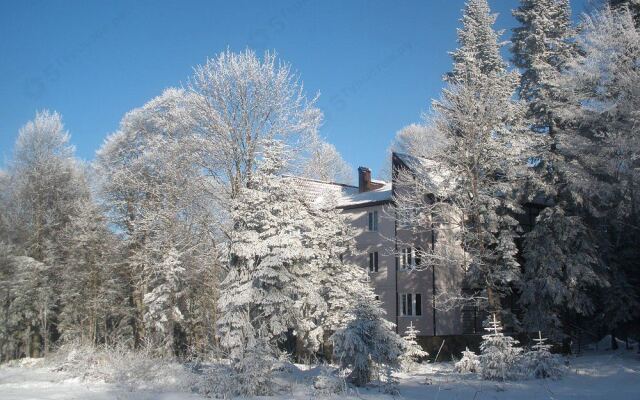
pixel 365 204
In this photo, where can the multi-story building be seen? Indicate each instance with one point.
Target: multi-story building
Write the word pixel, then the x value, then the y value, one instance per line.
pixel 390 254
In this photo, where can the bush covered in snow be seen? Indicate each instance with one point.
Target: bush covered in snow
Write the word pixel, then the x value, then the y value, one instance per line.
pixel 252 372
pixel 328 383
pixel 499 358
pixel 469 363
pixel 139 369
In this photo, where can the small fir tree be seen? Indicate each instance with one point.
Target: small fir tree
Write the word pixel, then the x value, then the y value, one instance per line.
pixel 541 363
pixel 499 354
pixel 413 351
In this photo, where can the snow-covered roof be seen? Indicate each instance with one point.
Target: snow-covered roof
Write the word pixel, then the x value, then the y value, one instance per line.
pixel 434 176
pixel 317 191
pixel 380 195
pixel 346 196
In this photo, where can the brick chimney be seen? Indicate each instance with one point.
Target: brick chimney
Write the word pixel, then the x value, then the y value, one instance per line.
pixel 364 179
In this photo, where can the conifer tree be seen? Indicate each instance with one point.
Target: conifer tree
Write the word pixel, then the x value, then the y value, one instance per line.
pixel 367 342
pixel 541 363
pixel 499 355
pixel 483 128
pixel 562 268
pixel 602 150
pixel 414 351
pixel 542 48
pixel 269 283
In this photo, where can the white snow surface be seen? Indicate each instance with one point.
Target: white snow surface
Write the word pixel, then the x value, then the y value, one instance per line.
pixel 384 193
pixel 596 375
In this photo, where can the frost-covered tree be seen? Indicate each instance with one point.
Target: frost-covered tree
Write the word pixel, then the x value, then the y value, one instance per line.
pixel 469 363
pixel 157 195
pixel 562 268
pixel 632 5
pixel 478 52
pixel 367 342
pixel 499 357
pixel 93 292
pixel 239 101
pixel 162 312
pixel 252 371
pixel 269 285
pixel 541 363
pixel 602 148
pixel 46 189
pixel 542 47
pixel 482 161
pixel 413 351
pixel 32 306
pixel 326 164
pixel 46 184
pixel 419 140
pixel 340 281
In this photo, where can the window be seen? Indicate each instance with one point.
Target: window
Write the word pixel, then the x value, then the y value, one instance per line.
pixel 373 221
pixel 373 262
pixel 407 217
pixel 410 257
pixel 377 297
pixel 411 304
pixel 418 258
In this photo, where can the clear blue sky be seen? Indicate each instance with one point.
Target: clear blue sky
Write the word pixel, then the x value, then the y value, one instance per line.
pixel 375 63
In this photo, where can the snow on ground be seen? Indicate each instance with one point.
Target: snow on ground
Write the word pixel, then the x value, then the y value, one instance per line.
pixel 597 375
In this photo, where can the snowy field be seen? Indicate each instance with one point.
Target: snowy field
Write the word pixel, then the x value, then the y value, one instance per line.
pixel 597 375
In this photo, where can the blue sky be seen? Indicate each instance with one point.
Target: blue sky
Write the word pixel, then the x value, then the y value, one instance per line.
pixel 375 63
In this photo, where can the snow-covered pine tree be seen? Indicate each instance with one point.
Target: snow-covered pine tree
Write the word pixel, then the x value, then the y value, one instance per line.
pixel 469 363
pixel 269 284
pixel 367 342
pixel 483 128
pixel 252 370
pixel 541 363
pixel 542 47
pixel 478 53
pixel 499 355
pixel 340 281
pixel 602 150
pixel 561 269
pixel 632 5
pixel 166 281
pixel 413 352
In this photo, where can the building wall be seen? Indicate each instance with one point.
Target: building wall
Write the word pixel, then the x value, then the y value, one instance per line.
pixel 388 241
pixel 382 242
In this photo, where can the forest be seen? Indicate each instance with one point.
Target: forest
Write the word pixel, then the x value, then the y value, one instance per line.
pixel 185 239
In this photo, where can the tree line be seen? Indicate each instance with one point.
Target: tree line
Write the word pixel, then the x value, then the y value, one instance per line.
pixel 183 234
pixel 555 139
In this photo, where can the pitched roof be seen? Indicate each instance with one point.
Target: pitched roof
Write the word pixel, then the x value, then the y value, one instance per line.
pixel 346 196
pixel 315 190
pixel 380 195
pixel 434 175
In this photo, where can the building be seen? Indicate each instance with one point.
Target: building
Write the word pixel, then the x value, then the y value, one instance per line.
pixel 406 287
